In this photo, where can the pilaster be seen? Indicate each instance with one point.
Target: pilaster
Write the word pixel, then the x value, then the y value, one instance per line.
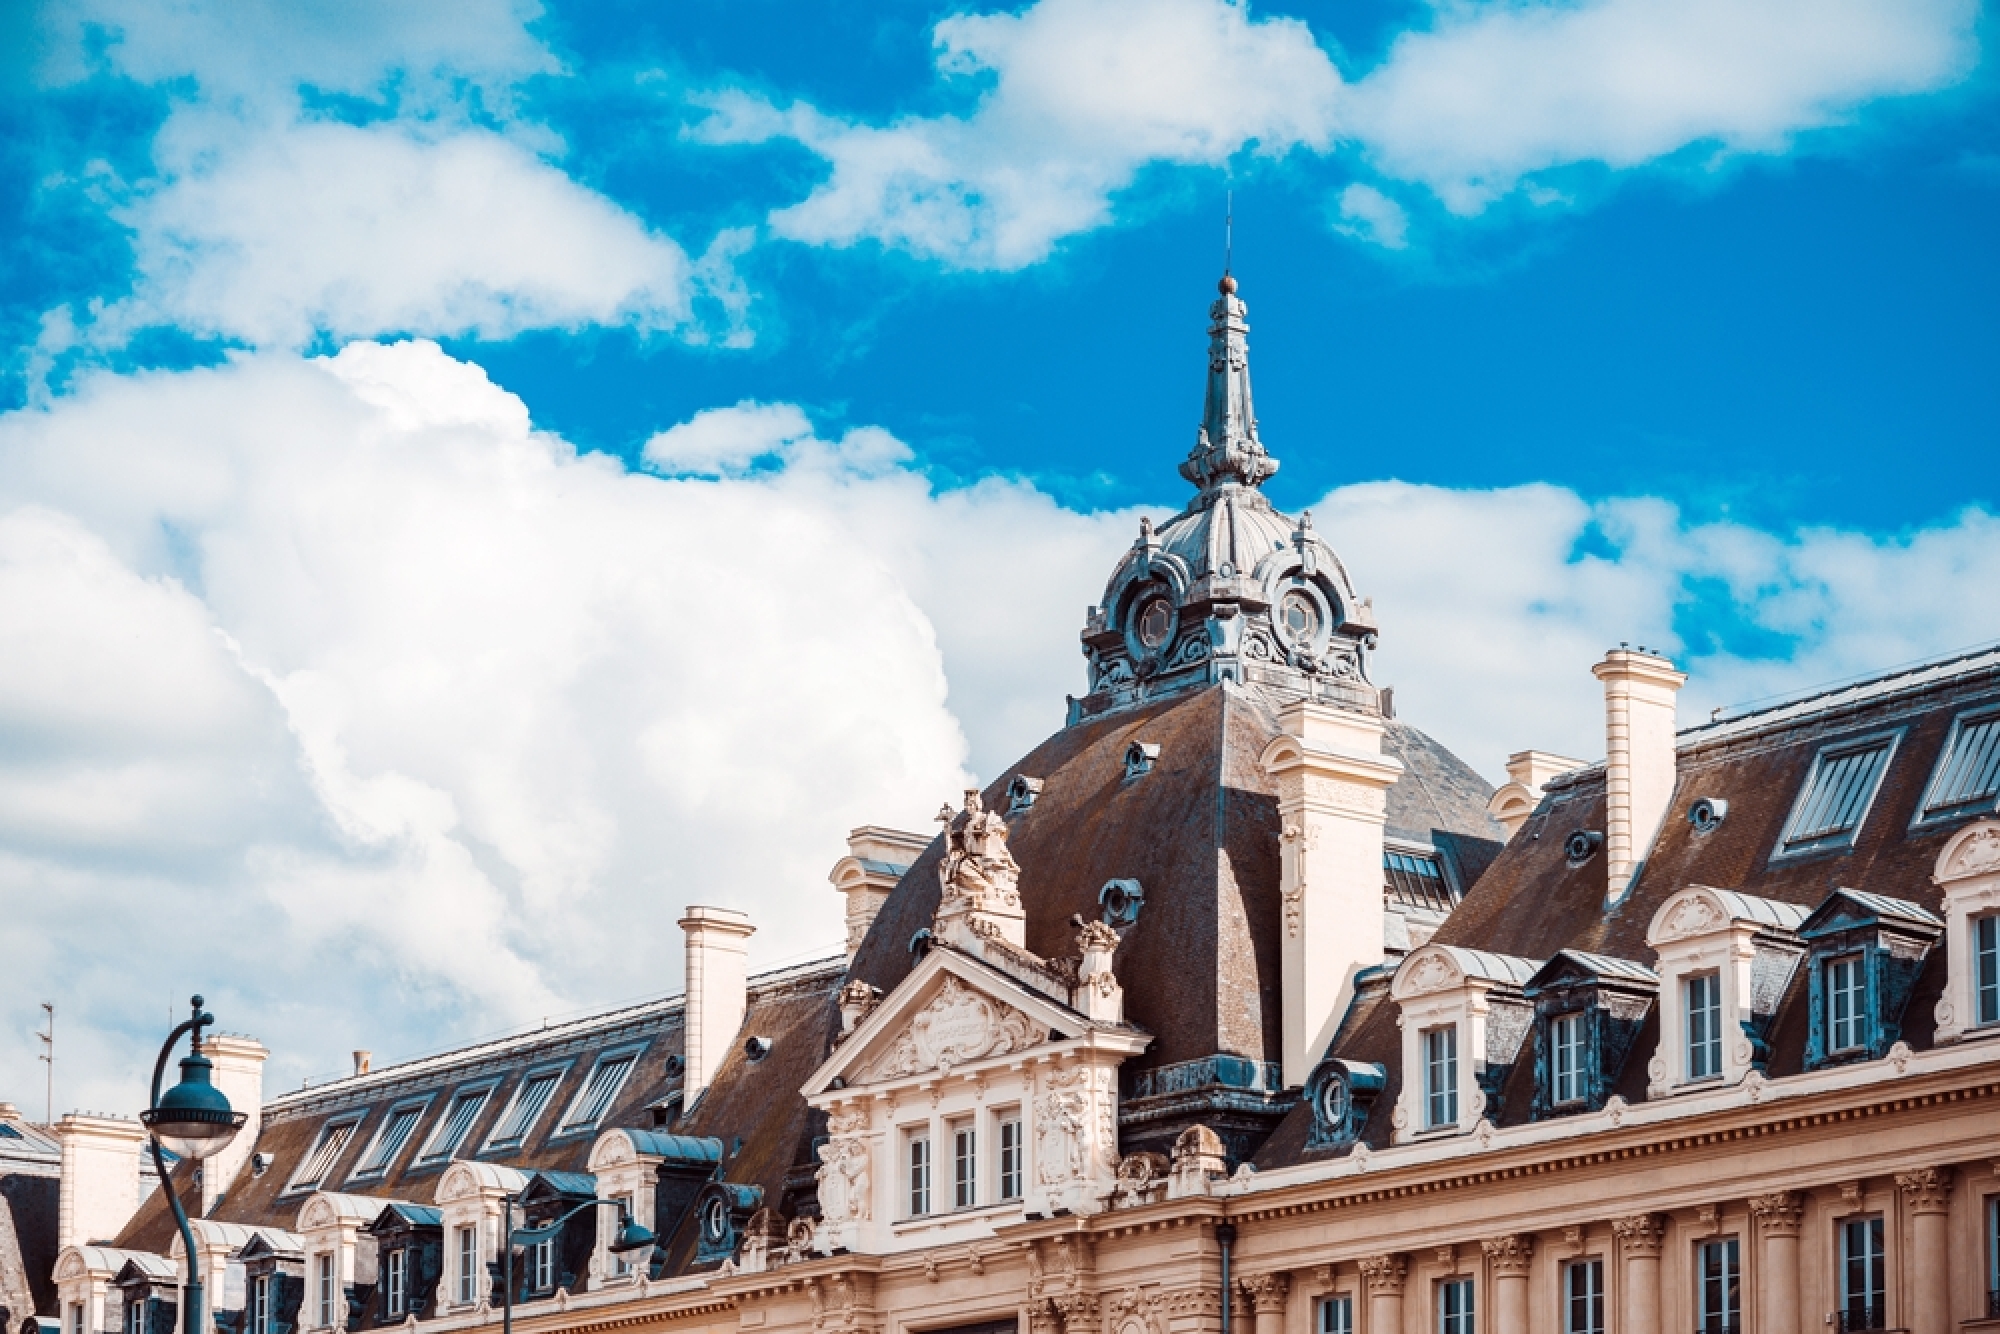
pixel 1927 1198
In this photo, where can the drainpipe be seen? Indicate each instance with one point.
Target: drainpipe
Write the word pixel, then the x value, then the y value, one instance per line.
pixel 1225 1236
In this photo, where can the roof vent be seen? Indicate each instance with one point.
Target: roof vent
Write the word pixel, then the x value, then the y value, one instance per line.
pixel 1707 813
pixel 676 1065
pixel 1581 846
pixel 260 1163
pixel 1021 793
pixel 920 943
pixel 1140 757
pixel 757 1048
pixel 1121 901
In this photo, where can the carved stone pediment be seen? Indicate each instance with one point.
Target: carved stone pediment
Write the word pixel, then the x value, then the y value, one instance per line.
pixel 958 1025
pixel 1694 915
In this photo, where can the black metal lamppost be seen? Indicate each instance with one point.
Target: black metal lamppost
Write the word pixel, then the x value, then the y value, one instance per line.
pixel 194 1120
pixel 631 1237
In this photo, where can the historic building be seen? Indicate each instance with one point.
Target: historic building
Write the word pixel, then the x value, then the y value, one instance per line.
pixel 1237 1004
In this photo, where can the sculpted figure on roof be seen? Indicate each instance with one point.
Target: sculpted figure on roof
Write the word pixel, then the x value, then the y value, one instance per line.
pixel 977 866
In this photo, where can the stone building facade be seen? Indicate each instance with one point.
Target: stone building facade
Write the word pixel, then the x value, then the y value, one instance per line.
pixel 1239 1004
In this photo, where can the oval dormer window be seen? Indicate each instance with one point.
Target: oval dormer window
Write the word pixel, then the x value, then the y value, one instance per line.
pixel 715 1219
pixel 1300 617
pixel 1155 623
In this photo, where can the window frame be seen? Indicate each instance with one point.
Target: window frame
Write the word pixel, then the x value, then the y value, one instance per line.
pixel 1464 1319
pixel 1855 962
pixel 256 1305
pixel 1590 1267
pixel 1012 1144
pixel 568 1124
pixel 1324 1309
pixel 323 1289
pixel 1577 1070
pixel 1985 948
pixel 964 1164
pixel 347 1121
pixel 918 1162
pixel 1927 815
pixel 396 1281
pixel 541 1265
pixel 1837 840
pixel 418 1105
pixel 1435 1093
pixel 1729 1286
pixel 556 1071
pixel 1709 1043
pixel 1873 1261
pixel 429 1153
pixel 466 1261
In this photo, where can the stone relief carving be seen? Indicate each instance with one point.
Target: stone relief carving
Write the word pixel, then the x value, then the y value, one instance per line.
pixel 1978 854
pixel 959 1025
pixel 1141 1179
pixel 1692 916
pixel 1433 972
pixel 1345 796
pixel 843 1176
pixel 977 867
pixel 857 1002
pixel 1300 839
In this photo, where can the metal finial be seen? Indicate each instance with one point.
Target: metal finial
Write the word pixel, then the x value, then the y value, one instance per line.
pixel 1228 231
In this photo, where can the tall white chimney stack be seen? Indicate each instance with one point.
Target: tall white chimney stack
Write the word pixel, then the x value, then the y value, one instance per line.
pixel 1639 691
pixel 718 954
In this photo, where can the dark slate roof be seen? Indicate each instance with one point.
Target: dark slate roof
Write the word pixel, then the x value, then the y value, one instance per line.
pixel 1531 903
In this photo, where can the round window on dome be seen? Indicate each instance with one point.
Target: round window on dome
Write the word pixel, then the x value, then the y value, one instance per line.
pixel 1298 614
pixel 1155 623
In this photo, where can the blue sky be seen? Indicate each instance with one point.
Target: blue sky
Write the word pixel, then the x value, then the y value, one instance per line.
pixel 469 475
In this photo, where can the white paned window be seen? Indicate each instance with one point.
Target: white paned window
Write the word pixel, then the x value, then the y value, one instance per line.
pixel 135 1314
pixel 259 1313
pixel 396 1282
pixel 1862 1276
pixel 1440 1076
pixel 606 1078
pixel 964 1167
pixel 1336 1314
pixel 1718 1287
pixel 621 1261
pixel 1704 1026
pixel 1583 1297
pixel 1836 796
pixel 1566 1063
pixel 542 1265
pixel 1011 1153
pixel 1986 969
pixel 73 1318
pixel 1846 1003
pixel 390 1139
pixel 325 1152
pixel 525 1110
pixel 1992 1251
pixel 920 1175
pixel 1967 781
pixel 1455 1315
pixel 468 1265
pixel 323 1289
pixel 455 1125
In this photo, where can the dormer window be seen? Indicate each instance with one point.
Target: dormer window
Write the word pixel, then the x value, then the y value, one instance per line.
pixel 1441 1077
pixel 1567 1046
pixel 1846 1003
pixel 1726 959
pixel 390 1138
pixel 529 1099
pixel 455 1125
pixel 542 1265
pixel 1967 780
pixel 1463 1017
pixel 1417 880
pixel 1968 871
pixel 607 1077
pixel 1865 953
pixel 1837 795
pixel 1588 1012
pixel 333 1140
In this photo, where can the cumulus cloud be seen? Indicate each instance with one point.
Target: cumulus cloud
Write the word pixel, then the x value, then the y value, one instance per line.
pixel 1077 96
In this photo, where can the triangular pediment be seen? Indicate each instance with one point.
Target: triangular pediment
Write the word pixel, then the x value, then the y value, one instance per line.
pixel 952 1011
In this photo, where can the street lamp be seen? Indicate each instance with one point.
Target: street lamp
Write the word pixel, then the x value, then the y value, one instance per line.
pixel 194 1120
pixel 631 1237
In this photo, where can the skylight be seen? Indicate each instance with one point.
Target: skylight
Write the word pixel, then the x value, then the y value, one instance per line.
pixel 1416 880
pixel 529 1101
pixel 332 1142
pixel 390 1139
pixel 603 1085
pixel 1836 796
pixel 455 1125
pixel 1967 781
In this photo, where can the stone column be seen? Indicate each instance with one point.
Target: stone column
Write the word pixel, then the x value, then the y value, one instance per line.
pixel 1384 1275
pixel 1926 1194
pixel 1079 1312
pixel 1507 1260
pixel 1267 1293
pixel 1640 1238
pixel 1778 1217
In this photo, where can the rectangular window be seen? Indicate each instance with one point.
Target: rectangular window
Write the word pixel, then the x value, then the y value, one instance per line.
pixel 542 1265
pixel 964 1167
pixel 323 1289
pixel 621 1261
pixel 525 1110
pixel 259 1314
pixel 1993 1255
pixel 468 1265
pixel 1836 796
pixel 1967 781
pixel 1704 1026
pixel 1583 1297
pixel 920 1175
pixel 1455 1306
pixel 1416 880
pixel 1719 1287
pixel 74 1318
pixel 606 1078
pixel 1846 1003
pixel 135 1315
pixel 455 1125
pixel 1010 1158
pixel 390 1138
pixel 1440 1077
pixel 1986 969
pixel 1862 1303
pixel 396 1283
pixel 1336 1314
pixel 1566 1064
pixel 325 1152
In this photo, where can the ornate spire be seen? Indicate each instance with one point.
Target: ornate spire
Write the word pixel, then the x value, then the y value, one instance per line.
pixel 1227 451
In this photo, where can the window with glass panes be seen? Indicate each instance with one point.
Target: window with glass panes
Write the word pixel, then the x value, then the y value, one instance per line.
pixel 468 1264
pixel 606 1078
pixel 1986 969
pixel 1846 1003
pixel 964 1167
pixel 1566 1063
pixel 1968 775
pixel 1011 1147
pixel 135 1315
pixel 1583 1296
pixel 455 1125
pixel 1862 1274
pixel 1993 1255
pixel 389 1140
pixel 1336 1314
pixel 920 1174
pixel 525 1110
pixel 73 1318
pixel 1704 1026
pixel 323 1289
pixel 258 1307
pixel 396 1282
pixel 542 1265
pixel 1440 1076
pixel 1718 1287
pixel 1836 796
pixel 1455 1315
pixel 326 1150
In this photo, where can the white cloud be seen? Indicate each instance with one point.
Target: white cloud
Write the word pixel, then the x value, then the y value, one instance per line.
pixel 1369 215
pixel 273 235
pixel 1082 94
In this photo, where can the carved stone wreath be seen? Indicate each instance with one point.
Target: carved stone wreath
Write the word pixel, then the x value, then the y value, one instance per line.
pixel 959 1025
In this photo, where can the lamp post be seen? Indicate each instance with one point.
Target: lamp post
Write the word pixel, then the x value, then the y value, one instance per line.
pixel 194 1120
pixel 631 1237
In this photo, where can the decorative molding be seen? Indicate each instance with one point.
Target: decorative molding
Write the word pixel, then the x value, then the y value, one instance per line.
pixel 1510 1256
pixel 1694 915
pixel 1640 1234
pixel 959 1025
pixel 1926 1190
pixel 1267 1292
pixel 1975 852
pixel 1779 1214
pixel 1385 1274
pixel 1433 972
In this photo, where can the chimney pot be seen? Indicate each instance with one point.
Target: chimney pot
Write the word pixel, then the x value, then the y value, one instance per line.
pixel 363 1062
pixel 1639 758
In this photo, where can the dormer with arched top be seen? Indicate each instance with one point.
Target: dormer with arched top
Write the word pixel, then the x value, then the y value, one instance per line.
pixel 471 1197
pixel 1968 871
pixel 1463 1017
pixel 1725 960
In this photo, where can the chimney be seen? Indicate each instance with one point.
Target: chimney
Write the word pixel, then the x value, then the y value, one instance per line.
pixel 1639 690
pixel 99 1191
pixel 718 950
pixel 876 860
pixel 1528 772
pixel 239 1073
pixel 364 1061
